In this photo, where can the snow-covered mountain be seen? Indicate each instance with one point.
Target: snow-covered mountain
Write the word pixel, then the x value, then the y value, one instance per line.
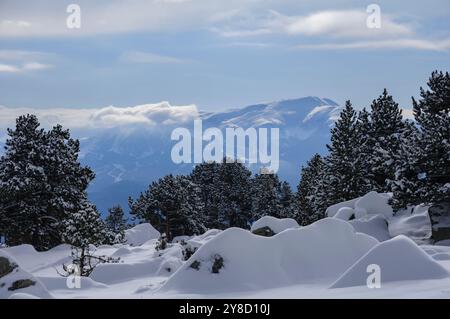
pixel 127 159
pixel 129 147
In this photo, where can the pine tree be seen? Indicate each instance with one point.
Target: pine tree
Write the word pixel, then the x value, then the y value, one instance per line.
pixel 225 192
pixel 425 177
pixel 43 183
pixel 342 176
pixel 287 199
pixel 234 192
pixel 116 222
pixel 266 196
pixel 307 200
pixel 81 230
pixel 172 205
pixel 207 177
pixel 385 129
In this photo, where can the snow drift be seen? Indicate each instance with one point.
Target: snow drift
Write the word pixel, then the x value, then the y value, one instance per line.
pixel 275 224
pixel 140 234
pixel 399 259
pixel 319 252
pixel 18 283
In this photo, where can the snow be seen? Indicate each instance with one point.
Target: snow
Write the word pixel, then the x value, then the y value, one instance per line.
pixel 375 226
pixel 373 203
pixel 140 234
pixel 14 274
pixel 345 213
pixel 327 259
pixel 254 262
pixel 275 224
pixel 399 259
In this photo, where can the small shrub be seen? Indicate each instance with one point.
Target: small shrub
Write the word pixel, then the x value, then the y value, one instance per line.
pixel 195 265
pixel 217 264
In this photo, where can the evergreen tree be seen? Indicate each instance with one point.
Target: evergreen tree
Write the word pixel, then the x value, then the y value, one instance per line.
pixel 81 230
pixel 172 205
pixel 342 176
pixel 207 177
pixel 42 182
pixel 385 130
pixel 116 222
pixel 266 196
pixel 426 177
pixel 307 202
pixel 287 199
pixel 234 191
pixel 225 192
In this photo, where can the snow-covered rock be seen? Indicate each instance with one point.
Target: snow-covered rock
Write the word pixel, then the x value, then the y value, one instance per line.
pixel 14 280
pixel 333 209
pixel 375 226
pixel 373 203
pixel 345 213
pixel 140 234
pixel 275 224
pixel 414 223
pixel 399 259
pixel 321 251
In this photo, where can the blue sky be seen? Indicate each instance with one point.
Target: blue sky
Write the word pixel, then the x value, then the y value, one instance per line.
pixel 217 54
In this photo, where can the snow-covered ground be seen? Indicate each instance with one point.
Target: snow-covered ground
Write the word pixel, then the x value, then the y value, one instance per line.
pixel 328 259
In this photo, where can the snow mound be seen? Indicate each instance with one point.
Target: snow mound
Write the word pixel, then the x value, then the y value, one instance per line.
pixel 140 234
pixel 14 280
pixel 345 213
pixel 275 224
pixel 243 261
pixel 415 224
pixel 375 226
pixel 333 209
pixel 139 262
pixel 399 259
pixel 373 203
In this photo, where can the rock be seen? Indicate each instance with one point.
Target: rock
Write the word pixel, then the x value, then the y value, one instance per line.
pixel 6 266
pixel 264 231
pixel 21 284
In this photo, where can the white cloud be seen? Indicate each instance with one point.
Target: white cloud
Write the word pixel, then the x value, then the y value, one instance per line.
pixel 148 57
pixel 7 68
pixel 345 23
pixel 25 67
pixel 148 115
pixel 21 55
pixel 418 44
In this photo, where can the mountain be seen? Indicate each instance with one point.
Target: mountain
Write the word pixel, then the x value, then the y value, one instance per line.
pixel 129 147
pixel 126 160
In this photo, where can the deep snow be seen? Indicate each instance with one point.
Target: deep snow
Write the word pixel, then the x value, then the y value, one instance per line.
pixel 327 259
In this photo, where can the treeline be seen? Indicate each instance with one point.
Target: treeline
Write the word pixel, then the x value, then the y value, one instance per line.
pixel 43 198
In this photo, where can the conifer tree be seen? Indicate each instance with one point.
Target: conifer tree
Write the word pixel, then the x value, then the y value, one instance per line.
pixel 42 182
pixel 116 222
pixel 172 205
pixel 266 196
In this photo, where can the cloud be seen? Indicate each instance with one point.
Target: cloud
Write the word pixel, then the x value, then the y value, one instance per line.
pixel 148 57
pixel 418 44
pixel 345 23
pixel 44 18
pixel 148 115
pixel 28 66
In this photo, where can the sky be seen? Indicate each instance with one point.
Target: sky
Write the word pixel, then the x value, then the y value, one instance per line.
pixel 217 54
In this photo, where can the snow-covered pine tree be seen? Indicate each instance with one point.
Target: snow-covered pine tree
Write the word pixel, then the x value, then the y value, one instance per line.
pixel 207 177
pixel 266 196
pixel 234 191
pixel 365 151
pixel 385 129
pixel 43 182
pixel 116 222
pixel 428 181
pixel 81 230
pixel 287 199
pixel 342 177
pixel 172 205
pixel 308 197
